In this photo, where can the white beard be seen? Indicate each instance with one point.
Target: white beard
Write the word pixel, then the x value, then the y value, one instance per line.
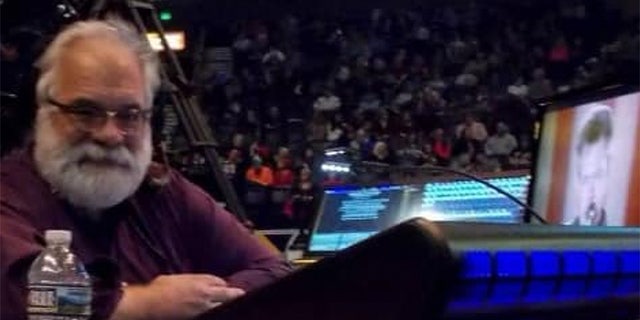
pixel 86 174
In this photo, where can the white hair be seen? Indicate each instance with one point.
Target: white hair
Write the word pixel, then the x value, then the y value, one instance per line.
pixel 91 29
pixel 74 169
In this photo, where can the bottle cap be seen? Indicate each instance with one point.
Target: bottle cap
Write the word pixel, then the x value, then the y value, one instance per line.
pixel 57 236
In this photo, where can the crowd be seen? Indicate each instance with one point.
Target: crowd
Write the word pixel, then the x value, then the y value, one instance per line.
pixel 449 85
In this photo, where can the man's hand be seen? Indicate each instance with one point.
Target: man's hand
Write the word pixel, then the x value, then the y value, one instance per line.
pixel 182 296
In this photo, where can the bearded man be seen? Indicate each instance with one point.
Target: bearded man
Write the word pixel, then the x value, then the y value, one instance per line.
pixel 155 253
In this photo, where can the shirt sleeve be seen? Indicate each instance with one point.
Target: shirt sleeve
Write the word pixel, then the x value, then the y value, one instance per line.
pixel 220 245
pixel 18 249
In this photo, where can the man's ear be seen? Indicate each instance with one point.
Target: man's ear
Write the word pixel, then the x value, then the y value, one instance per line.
pixel 158 175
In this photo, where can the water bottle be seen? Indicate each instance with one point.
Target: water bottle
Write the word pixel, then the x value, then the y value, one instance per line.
pixel 59 285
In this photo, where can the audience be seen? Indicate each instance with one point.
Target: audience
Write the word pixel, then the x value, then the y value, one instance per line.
pixel 392 87
pixel 402 87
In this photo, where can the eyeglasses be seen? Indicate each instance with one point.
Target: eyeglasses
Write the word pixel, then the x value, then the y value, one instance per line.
pixel 89 117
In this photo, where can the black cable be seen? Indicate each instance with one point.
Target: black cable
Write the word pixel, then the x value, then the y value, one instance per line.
pixel 429 167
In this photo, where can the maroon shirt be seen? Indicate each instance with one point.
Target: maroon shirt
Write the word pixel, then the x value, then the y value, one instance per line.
pixel 173 229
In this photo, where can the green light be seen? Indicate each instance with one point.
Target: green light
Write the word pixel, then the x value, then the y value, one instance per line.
pixel 165 15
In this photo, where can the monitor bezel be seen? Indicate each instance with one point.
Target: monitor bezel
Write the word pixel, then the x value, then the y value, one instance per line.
pixel 567 100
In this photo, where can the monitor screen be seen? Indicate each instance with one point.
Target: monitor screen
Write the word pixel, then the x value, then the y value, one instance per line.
pixel 467 200
pixel 588 164
pixel 350 214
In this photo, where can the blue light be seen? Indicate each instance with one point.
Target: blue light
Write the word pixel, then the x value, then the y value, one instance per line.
pixel 477 265
pixel 541 290
pixel 629 283
pixel 511 270
pixel 545 264
pixel 605 263
pixel 507 291
pixel 630 261
pixel 572 288
pixel 575 263
pixel 321 242
pixel 601 287
pixel 351 188
pixel 505 278
pixel 511 264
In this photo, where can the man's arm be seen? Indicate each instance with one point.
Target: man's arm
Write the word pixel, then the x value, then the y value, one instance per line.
pixel 176 297
pixel 221 246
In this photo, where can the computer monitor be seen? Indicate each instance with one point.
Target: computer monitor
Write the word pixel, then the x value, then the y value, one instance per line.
pixel 467 200
pixel 588 160
pixel 348 215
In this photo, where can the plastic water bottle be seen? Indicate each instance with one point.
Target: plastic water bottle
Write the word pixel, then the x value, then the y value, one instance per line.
pixel 59 285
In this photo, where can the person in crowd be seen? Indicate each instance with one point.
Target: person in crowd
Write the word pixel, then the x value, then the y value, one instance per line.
pixel 232 163
pixel 500 145
pixel 407 151
pixel 303 196
pixel 259 173
pixel 154 251
pixel 472 129
pixel 540 86
pixel 440 146
pixel 327 102
pixel 429 156
pixel 474 132
pixel 518 88
pixel 283 175
pixel 381 153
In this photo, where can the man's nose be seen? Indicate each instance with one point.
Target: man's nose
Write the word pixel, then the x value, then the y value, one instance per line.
pixel 109 134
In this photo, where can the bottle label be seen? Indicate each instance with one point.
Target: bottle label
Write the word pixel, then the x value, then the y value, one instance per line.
pixel 59 300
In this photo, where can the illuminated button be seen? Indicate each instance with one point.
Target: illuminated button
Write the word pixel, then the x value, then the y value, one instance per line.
pixel 511 264
pixel 575 268
pixel 630 269
pixel 545 264
pixel 605 263
pixel 575 263
pixel 630 262
pixel 545 269
pixel 511 269
pixel 477 264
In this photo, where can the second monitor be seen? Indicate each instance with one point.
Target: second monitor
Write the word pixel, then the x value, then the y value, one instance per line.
pixel 350 214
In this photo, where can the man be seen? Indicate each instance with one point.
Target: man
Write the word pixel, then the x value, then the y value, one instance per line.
pixel 593 166
pixel 259 173
pixel 500 145
pixel 163 252
pixel 472 130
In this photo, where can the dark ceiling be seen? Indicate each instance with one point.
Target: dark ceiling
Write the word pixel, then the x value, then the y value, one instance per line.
pixel 190 13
